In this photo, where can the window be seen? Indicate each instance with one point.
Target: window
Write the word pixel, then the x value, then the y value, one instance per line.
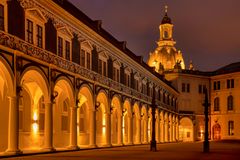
pixel 230 128
pixel 216 85
pixel 88 60
pixel 216 104
pixel 35 27
pixel 86 55
pixel 165 34
pixel 39 36
pixel 1 17
pixel 230 83
pixel 60 46
pixel 30 31
pixel 116 74
pixel 185 87
pixel 127 79
pixel 67 50
pixel 188 88
pixel 230 102
pixel 136 84
pixel 81 120
pixel 102 67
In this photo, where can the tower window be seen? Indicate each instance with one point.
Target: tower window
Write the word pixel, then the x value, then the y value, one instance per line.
pixel 166 34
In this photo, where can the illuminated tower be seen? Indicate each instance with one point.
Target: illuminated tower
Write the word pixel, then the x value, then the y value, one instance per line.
pixel 166 56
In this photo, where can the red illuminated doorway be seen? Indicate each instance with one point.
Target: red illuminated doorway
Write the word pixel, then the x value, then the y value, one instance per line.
pixel 216 132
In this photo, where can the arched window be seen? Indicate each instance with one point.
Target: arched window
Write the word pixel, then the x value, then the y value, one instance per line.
pixel 216 104
pixel 165 34
pixel 230 102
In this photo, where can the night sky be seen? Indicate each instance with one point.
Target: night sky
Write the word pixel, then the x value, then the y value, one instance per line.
pixel 206 31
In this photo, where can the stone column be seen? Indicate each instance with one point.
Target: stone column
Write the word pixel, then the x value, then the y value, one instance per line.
pixel 166 130
pixel 170 129
pixel 92 129
pixel 73 129
pixel 120 131
pixel 138 124
pixel 162 131
pixel 130 130
pixel 157 130
pixel 108 130
pixel 177 131
pixel 13 127
pixel 174 132
pixel 145 131
pixel 48 127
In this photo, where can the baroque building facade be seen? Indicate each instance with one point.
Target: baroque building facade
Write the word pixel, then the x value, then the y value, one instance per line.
pixel 66 83
pixel 222 85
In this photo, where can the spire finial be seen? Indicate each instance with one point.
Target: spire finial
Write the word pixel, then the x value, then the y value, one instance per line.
pixel 166 9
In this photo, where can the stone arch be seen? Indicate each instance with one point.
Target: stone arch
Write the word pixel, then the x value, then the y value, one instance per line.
pixel 61 111
pixel 102 118
pixel 35 92
pixel 186 129
pixel 7 90
pixel 85 110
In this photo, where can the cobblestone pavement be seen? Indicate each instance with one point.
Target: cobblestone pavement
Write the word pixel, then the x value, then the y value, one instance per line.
pixel 229 150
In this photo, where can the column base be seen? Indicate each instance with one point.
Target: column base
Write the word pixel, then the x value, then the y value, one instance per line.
pixel 92 146
pixel 106 145
pixel 13 152
pixel 48 149
pixel 75 148
pixel 144 142
pixel 129 144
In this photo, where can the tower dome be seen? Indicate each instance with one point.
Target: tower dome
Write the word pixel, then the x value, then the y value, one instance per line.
pixel 166 57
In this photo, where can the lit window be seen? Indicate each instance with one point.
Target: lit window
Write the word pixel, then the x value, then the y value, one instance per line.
pixel 81 120
pixel 230 128
pixel 41 107
pixel 1 17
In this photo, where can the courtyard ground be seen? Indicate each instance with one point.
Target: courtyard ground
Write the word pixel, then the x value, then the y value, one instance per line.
pixel 229 150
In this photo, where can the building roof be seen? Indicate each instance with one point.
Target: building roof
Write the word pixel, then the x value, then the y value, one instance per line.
pixel 166 20
pixel 96 26
pixel 233 67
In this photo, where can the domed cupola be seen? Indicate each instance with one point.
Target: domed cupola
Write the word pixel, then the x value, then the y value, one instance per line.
pixel 166 19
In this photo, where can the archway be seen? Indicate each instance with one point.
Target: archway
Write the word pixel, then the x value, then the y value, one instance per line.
pixel 103 120
pixel 116 121
pixel 216 131
pixel 84 113
pixel 61 112
pixel 136 124
pixel 32 109
pixel 186 129
pixel 127 123
pixel 6 85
